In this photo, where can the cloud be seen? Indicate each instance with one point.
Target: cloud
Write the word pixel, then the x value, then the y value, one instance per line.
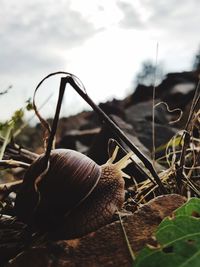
pixel 173 24
pixel 131 18
pixel 34 34
pixel 177 23
pixel 171 16
pixel 39 37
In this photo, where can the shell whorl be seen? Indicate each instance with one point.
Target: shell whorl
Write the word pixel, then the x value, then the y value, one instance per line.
pixel 70 179
pixel 108 197
pixel 77 196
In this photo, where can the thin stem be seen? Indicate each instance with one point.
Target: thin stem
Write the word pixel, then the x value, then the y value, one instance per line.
pixel 131 252
pixel 24 125
pixel 56 118
pixel 195 101
pixel 118 131
pixel 153 110
pixel 16 152
pixel 70 78
pixel 136 165
pixel 5 142
pixel 7 188
pixel 13 164
pixel 187 133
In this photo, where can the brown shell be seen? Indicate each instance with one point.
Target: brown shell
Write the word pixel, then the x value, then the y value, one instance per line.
pixel 71 177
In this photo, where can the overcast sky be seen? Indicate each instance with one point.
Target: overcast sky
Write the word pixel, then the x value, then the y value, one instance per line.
pixel 103 42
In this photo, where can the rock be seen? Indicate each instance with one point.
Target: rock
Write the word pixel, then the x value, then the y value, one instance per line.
pixel 142 93
pixel 114 107
pixel 143 111
pixel 183 89
pixel 71 138
pixel 107 246
pixel 143 130
pixel 74 122
pixel 167 89
pixel 180 95
pixel 99 148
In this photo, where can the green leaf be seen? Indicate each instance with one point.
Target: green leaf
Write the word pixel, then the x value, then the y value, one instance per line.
pixel 29 105
pixel 178 240
pixel 17 116
pixel 173 229
pixel 191 208
pixel 173 142
pixel 181 253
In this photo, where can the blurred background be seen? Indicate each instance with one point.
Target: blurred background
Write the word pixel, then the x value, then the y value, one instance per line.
pixel 121 50
pixel 107 44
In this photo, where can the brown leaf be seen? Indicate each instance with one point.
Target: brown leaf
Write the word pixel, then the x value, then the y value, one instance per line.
pixel 107 246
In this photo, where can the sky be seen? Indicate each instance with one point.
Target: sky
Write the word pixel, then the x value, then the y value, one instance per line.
pixel 103 42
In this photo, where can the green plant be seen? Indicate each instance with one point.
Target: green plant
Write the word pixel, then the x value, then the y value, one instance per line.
pixel 178 240
pixel 11 127
pixel 7 128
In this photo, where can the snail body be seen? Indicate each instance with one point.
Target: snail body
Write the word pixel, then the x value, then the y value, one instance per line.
pixel 74 197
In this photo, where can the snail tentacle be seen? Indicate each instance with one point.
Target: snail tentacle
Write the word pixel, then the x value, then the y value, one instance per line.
pixel 121 164
pixel 114 155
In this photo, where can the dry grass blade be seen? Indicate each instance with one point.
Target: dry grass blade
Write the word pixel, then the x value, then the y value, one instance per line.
pixel 80 89
pixel 171 111
pixel 195 101
pixel 13 164
pixel 153 108
pixel 44 123
pixel 6 90
pixel 24 125
pixel 131 252
pixel 7 188
pixel 190 124
pixel 119 133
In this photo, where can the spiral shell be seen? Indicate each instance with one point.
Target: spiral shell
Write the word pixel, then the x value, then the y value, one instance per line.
pixel 70 179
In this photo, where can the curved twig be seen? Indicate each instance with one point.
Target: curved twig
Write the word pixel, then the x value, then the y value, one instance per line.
pixel 13 164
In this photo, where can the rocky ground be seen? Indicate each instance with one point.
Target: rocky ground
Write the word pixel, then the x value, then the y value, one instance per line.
pixel 86 133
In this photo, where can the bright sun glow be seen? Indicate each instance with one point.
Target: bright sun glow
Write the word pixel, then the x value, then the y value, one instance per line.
pixel 102 42
pixel 114 59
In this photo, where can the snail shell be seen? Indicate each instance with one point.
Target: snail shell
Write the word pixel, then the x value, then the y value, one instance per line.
pixel 75 196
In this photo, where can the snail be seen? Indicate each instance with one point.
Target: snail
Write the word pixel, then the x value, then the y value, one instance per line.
pixel 64 192
pixel 75 196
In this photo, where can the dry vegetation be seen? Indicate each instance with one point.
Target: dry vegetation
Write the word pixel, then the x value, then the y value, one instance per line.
pixel 177 171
